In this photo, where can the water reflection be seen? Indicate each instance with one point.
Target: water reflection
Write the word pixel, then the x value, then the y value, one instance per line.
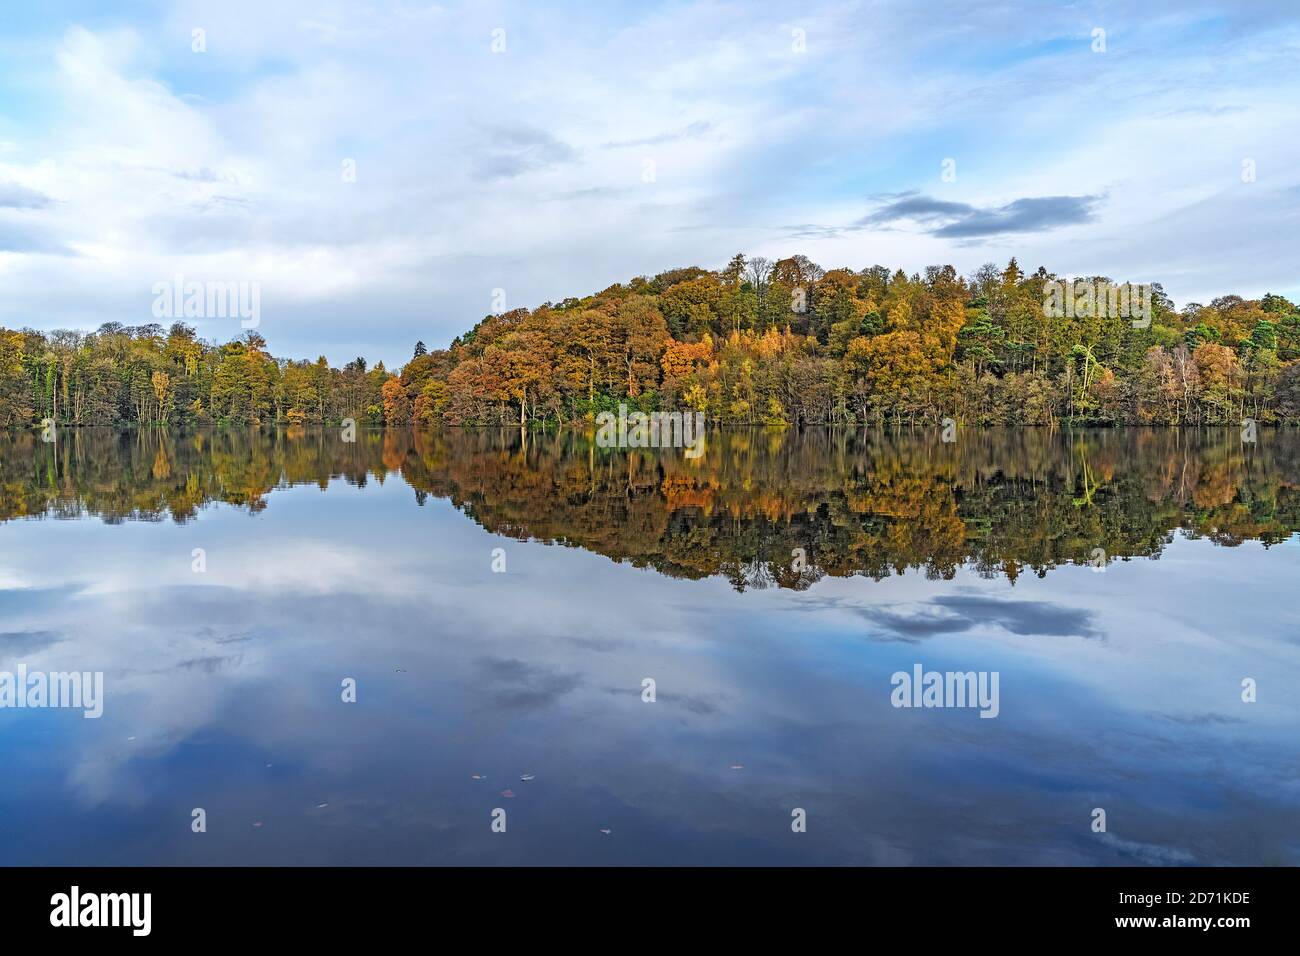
pixel 327 560
pixel 870 503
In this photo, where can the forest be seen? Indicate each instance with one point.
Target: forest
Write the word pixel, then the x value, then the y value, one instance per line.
pixel 783 343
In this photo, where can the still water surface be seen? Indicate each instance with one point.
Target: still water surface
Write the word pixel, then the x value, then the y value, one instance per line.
pixel 1122 584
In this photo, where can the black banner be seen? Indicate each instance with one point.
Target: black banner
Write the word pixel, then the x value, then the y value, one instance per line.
pixel 335 905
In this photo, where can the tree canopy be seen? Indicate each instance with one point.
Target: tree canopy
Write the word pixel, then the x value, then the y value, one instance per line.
pixel 758 342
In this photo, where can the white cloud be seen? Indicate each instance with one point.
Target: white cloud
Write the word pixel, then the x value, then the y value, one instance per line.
pixel 525 170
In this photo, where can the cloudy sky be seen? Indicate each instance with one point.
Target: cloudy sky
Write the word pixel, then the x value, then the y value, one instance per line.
pixel 553 149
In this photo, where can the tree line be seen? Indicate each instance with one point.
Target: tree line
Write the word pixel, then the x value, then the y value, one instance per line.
pixel 755 343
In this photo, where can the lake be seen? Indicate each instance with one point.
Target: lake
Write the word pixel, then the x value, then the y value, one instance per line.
pixel 633 657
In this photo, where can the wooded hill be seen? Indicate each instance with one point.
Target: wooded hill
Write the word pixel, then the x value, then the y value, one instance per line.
pixel 756 343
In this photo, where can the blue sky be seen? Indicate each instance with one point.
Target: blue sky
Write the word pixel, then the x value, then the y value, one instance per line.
pixel 608 142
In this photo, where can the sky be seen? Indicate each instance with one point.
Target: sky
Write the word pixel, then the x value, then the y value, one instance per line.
pixel 393 172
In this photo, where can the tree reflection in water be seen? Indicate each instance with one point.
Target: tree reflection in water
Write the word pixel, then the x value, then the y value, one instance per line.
pixel 866 503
